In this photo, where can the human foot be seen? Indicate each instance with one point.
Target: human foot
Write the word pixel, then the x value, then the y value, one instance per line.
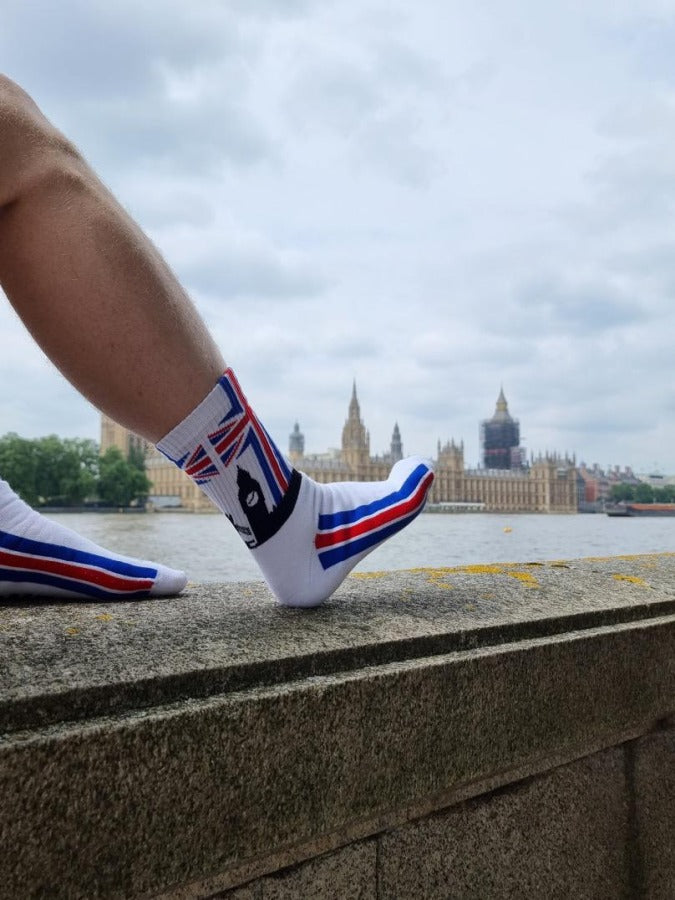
pixel 40 557
pixel 306 537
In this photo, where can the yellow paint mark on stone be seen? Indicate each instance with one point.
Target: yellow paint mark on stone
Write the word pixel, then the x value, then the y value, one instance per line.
pixel 633 579
pixel 526 578
pixel 469 607
pixel 434 574
pixel 437 578
pixel 104 617
pixel 72 631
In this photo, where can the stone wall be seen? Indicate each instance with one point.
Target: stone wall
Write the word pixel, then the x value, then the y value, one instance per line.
pixel 482 731
pixel 600 827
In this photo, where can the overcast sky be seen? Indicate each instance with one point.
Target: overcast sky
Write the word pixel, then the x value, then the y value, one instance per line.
pixel 432 198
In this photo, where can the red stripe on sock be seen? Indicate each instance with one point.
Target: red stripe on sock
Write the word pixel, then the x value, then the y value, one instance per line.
pixel 229 438
pixel 250 417
pixel 75 572
pixel 270 455
pixel 195 468
pixel 349 532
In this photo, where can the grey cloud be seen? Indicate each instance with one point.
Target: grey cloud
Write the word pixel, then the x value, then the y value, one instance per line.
pixel 355 346
pixel 400 66
pixel 250 273
pixel 158 204
pixel 100 49
pixel 551 303
pixel 648 37
pixel 393 143
pixel 333 94
pixel 376 104
pixel 636 187
pixel 197 137
pixel 270 9
pixel 133 85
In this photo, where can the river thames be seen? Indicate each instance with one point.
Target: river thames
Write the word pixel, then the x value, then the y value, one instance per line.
pixel 208 549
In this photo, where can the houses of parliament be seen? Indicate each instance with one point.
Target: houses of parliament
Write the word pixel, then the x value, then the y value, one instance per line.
pixel 506 481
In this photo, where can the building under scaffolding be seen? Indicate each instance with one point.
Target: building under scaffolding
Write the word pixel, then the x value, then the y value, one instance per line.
pixel 500 439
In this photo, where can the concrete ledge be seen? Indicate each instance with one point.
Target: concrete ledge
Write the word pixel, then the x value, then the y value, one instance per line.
pixel 189 745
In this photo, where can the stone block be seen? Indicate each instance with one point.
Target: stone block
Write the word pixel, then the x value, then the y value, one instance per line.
pixel 347 874
pixel 559 835
pixel 654 790
pixel 247 892
pixel 146 747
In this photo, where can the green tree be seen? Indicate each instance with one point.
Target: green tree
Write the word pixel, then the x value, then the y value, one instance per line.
pixel 119 482
pixel 67 470
pixel 622 492
pixel 18 466
pixel 644 493
pixel 49 470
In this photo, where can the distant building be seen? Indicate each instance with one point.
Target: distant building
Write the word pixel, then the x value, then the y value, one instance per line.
pixel 547 484
pixel 296 444
pixel 598 482
pixel 500 439
pixel 115 435
pixel 352 462
pixel 655 479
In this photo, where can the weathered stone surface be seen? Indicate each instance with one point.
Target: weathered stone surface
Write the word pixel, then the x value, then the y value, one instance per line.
pixel 559 835
pixel 247 892
pixel 64 661
pixel 654 792
pixel 145 746
pixel 347 874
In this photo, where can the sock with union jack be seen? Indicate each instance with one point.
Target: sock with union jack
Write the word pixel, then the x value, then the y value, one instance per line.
pixel 42 558
pixel 306 537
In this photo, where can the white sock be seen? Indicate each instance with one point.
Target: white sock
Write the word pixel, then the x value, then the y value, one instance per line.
pixel 39 557
pixel 306 537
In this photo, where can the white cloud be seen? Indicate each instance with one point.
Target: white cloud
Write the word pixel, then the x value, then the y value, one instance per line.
pixel 432 199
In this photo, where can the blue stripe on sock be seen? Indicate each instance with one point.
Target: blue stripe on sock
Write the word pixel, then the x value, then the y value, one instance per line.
pixel 337 555
pixel 67 584
pixel 347 517
pixel 69 554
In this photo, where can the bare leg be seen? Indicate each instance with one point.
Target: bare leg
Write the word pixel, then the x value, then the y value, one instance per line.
pixel 91 289
pixel 72 262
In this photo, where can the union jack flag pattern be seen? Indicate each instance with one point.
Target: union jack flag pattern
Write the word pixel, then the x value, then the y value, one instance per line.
pixel 55 568
pixel 348 533
pixel 239 434
pixel 235 461
pixel 198 465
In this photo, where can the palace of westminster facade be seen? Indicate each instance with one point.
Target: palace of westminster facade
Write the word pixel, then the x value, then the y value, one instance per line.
pixel 506 483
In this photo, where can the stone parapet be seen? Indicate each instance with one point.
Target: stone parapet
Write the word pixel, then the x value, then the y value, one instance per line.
pixel 193 746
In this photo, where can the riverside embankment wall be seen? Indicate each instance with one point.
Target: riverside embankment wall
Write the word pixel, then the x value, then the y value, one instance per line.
pixel 482 731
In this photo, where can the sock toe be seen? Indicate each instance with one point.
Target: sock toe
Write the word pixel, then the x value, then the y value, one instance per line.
pixel 168 583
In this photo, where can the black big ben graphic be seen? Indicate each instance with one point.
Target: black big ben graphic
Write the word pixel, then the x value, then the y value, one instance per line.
pixel 253 505
pixel 262 521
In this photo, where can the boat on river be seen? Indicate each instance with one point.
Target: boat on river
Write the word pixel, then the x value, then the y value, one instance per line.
pixel 641 509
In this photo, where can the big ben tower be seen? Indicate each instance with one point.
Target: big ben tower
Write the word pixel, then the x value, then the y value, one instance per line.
pixel 500 437
pixel 355 438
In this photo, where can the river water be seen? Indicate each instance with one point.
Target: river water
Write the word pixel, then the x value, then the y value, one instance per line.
pixel 208 549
